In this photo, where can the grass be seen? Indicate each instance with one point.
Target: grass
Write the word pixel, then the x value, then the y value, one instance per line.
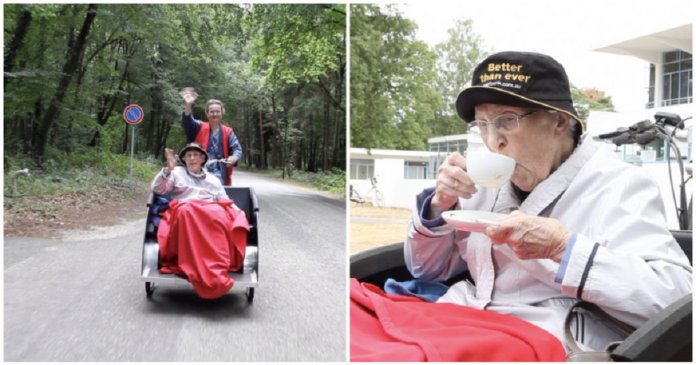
pixel 77 173
pixel 332 181
pixel 365 235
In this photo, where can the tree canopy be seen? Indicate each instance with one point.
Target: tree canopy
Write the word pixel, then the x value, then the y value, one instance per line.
pixel 402 90
pixel 70 69
pixel 392 96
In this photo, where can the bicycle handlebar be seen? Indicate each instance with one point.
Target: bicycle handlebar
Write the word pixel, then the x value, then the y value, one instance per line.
pixel 645 132
pixel 220 160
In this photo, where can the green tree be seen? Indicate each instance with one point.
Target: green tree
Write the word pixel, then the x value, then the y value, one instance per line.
pixel 587 99
pixel 299 50
pixel 457 58
pixel 70 69
pixel 393 97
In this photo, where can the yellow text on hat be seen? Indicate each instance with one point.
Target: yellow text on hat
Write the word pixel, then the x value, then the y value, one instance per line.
pixel 504 67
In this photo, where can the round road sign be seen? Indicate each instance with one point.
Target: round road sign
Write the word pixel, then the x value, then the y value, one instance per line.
pixel 133 114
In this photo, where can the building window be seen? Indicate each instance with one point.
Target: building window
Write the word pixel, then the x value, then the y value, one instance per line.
pixel 415 170
pixel 651 88
pixel 448 147
pixel 677 78
pixel 362 169
pixel 443 149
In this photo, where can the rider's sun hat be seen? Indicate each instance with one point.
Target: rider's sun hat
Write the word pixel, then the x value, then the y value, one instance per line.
pixel 523 79
pixel 193 146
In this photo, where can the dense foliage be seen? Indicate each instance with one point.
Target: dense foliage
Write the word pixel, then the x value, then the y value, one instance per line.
pixel 392 94
pixel 403 92
pixel 70 69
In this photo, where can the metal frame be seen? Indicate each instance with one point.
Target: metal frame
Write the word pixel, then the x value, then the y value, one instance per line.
pixel 245 280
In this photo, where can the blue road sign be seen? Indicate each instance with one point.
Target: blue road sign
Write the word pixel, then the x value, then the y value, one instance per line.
pixel 133 114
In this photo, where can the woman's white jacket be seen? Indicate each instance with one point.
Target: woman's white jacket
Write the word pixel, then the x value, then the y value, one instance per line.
pixel 624 258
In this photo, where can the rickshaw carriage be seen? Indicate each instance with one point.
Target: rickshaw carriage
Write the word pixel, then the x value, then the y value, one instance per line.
pixel 245 279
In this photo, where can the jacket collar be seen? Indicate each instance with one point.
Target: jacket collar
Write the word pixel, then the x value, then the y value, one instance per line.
pixel 550 189
pixel 200 175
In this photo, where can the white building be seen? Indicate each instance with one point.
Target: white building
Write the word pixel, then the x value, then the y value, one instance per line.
pixel 401 175
pixel 669 69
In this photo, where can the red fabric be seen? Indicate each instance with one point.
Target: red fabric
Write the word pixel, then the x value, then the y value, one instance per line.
pixel 203 137
pixel 202 241
pixel 386 327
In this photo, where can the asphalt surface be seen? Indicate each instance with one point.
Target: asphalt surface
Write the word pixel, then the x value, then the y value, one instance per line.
pixel 81 298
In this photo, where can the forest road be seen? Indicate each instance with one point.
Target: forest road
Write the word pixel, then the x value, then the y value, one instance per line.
pixel 81 298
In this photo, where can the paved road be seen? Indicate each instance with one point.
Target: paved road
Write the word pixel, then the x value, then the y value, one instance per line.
pixel 81 298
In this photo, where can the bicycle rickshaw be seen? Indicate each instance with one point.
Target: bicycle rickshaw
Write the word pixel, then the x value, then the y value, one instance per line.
pixel 245 279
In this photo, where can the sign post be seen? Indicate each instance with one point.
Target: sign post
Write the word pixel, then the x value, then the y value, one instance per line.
pixel 133 115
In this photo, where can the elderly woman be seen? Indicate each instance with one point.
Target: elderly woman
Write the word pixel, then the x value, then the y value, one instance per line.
pixel 580 224
pixel 203 234
pixel 190 181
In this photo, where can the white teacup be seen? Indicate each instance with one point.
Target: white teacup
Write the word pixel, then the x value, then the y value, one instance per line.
pixel 489 169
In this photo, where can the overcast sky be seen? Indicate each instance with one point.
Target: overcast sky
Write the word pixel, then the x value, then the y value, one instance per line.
pixel 568 31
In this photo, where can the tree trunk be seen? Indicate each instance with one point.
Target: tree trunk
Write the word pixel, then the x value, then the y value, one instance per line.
pixel 20 32
pixel 247 135
pixel 262 156
pixel 311 162
pixel 109 100
pixel 68 71
pixel 164 133
pixel 274 120
pixel 125 131
pixel 326 123
pixel 313 143
pixel 337 146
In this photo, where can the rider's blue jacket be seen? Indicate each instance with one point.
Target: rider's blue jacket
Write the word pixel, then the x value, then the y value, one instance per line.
pixel 214 146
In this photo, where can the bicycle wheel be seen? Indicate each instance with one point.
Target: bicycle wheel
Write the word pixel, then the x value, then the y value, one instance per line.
pixel 378 199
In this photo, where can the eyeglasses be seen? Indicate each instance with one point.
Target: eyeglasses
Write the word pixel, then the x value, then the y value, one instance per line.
pixel 505 123
pixel 192 155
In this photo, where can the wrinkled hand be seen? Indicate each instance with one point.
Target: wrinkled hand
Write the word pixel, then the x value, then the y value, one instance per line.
pixel 531 237
pixel 452 182
pixel 172 159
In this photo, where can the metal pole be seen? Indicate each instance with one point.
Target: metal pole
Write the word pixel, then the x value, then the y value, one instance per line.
pixel 130 179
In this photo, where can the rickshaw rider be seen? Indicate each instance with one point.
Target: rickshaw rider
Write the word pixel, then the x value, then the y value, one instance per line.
pixel 203 234
pixel 218 139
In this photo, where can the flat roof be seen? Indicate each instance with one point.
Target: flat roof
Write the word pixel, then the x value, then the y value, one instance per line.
pixel 379 153
pixel 649 47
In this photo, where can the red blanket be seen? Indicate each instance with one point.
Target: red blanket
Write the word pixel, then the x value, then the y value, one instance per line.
pixel 202 241
pixel 385 327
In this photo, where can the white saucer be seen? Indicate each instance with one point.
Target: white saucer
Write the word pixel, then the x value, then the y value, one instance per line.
pixel 471 220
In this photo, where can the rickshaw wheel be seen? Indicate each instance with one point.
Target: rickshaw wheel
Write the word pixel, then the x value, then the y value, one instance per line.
pixel 250 294
pixel 149 288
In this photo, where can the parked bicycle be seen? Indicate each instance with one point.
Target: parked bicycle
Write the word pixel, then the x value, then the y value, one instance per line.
pixel 374 194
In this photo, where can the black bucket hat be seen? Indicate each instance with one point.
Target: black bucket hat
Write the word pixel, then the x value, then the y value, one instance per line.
pixel 522 79
pixel 193 146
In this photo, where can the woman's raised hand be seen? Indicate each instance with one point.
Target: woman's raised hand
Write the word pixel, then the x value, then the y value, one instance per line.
pixel 171 159
pixel 189 95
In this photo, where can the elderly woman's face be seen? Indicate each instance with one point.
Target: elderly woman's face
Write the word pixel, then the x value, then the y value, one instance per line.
pixel 535 143
pixel 194 160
